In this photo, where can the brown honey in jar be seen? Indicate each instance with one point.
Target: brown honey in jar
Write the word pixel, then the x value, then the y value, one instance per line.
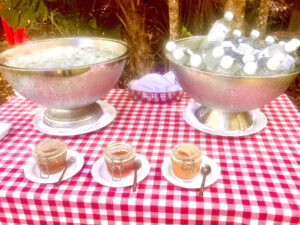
pixel 119 158
pixel 51 156
pixel 186 160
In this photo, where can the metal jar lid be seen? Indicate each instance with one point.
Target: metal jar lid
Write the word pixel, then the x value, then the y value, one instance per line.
pixel 186 153
pixel 118 152
pixel 50 148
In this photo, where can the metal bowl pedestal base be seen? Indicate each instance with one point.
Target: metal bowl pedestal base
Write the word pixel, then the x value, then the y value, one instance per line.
pixel 224 121
pixel 72 117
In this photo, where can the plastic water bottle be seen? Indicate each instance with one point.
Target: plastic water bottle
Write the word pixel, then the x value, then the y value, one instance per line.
pixel 178 54
pixel 285 48
pixel 297 63
pixel 171 46
pixel 249 69
pixel 213 58
pixel 182 54
pixel 231 43
pixel 261 46
pixel 248 58
pixel 289 51
pixel 271 67
pixel 197 62
pixel 217 34
pixel 269 40
pixel 229 65
pixel 247 44
pixel 282 43
pixel 220 28
pixel 296 44
pixel 234 39
pixel 225 65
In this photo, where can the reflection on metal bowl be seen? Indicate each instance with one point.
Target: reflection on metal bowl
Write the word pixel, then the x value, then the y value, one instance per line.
pixel 66 88
pixel 227 99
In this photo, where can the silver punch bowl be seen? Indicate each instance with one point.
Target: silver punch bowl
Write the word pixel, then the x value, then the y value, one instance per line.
pixel 68 93
pixel 226 100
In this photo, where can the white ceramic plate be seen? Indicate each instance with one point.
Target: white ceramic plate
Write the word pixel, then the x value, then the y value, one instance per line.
pixel 259 123
pixel 32 171
pixel 4 128
pixel 109 114
pixel 211 178
pixel 101 175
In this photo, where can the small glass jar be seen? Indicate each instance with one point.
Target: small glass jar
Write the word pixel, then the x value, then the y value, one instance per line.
pixel 51 156
pixel 186 160
pixel 119 158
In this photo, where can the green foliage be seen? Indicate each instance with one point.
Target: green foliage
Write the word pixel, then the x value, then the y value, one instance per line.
pixel 59 17
pixel 73 25
pixel 184 32
pixel 20 13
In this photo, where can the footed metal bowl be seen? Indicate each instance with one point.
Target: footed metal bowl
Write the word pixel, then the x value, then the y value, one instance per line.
pixel 226 99
pixel 69 94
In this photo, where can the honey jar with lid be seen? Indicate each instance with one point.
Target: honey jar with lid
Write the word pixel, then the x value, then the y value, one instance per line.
pixel 119 158
pixel 186 160
pixel 51 156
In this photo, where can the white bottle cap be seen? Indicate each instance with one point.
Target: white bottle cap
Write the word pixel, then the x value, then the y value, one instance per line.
pixel 189 51
pixel 218 52
pixel 255 34
pixel 195 60
pixel 228 16
pixel 290 46
pixel 270 39
pixel 237 33
pixel 273 64
pixel 226 61
pixel 296 42
pixel 171 46
pixel 248 58
pixel 178 54
pixel 282 43
pixel 279 56
pixel 250 68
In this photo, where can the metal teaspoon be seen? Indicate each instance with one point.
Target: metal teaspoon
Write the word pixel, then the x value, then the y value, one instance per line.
pixel 137 165
pixel 205 170
pixel 69 162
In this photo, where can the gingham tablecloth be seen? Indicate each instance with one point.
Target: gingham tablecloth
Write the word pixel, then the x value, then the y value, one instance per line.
pixel 260 174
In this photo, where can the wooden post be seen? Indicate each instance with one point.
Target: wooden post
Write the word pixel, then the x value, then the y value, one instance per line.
pixel 237 7
pixel 295 17
pixel 174 19
pixel 263 14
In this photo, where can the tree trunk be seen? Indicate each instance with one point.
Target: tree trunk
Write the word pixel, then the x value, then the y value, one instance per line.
pixel 141 61
pixel 295 17
pixel 262 18
pixel 174 18
pixel 237 7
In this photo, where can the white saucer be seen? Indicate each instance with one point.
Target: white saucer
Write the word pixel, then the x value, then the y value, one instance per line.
pixel 101 175
pixel 32 171
pixel 109 114
pixel 4 128
pixel 259 123
pixel 167 172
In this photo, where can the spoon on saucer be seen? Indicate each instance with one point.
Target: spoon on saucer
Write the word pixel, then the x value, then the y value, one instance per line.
pixel 205 170
pixel 69 162
pixel 137 165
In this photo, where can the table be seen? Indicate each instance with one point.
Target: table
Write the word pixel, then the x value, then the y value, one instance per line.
pixel 260 174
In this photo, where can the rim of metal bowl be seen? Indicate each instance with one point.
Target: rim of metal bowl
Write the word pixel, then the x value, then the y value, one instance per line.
pixel 125 55
pixel 167 54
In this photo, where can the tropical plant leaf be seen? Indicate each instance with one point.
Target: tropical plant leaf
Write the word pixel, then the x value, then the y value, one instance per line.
pixel 10 16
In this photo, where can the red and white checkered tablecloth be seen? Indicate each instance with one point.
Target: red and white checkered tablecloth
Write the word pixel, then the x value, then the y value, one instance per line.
pixel 260 174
